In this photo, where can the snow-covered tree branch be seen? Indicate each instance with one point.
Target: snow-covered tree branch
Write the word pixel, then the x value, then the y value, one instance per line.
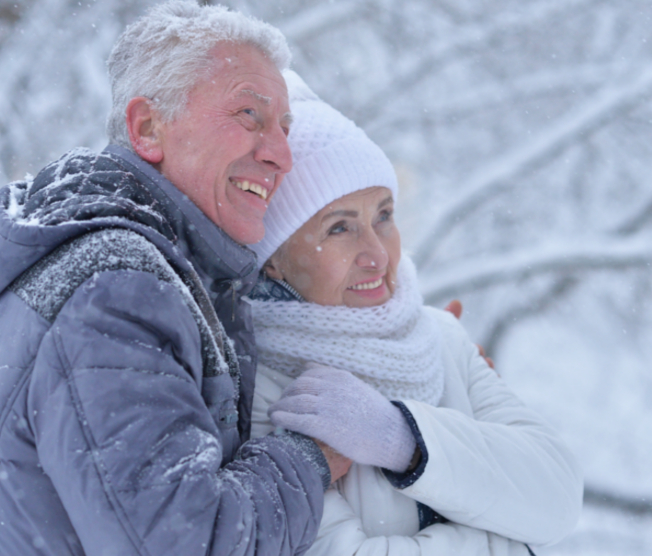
pixel 570 129
pixel 521 133
pixel 560 259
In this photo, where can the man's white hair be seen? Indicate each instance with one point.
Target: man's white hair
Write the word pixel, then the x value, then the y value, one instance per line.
pixel 164 54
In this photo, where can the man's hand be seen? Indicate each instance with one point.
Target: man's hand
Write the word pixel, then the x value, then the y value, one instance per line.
pixel 489 360
pixel 347 414
pixel 455 307
pixel 338 464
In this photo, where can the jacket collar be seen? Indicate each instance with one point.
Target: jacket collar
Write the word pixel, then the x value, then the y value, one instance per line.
pixel 270 289
pixel 211 251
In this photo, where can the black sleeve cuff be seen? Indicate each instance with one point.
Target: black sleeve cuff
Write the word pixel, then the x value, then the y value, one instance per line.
pixel 403 480
pixel 428 516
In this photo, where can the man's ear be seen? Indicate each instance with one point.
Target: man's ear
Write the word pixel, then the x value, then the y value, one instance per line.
pixel 143 124
pixel 272 268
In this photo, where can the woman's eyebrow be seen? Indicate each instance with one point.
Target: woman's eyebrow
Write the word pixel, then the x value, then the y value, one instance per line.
pixel 386 201
pixel 339 213
pixel 354 213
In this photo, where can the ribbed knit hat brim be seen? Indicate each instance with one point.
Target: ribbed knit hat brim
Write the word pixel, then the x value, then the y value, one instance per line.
pixel 332 157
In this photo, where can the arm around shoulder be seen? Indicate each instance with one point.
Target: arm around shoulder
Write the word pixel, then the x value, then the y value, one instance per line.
pixel 493 463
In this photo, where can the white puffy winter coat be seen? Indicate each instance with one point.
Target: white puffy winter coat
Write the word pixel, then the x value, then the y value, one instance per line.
pixel 495 470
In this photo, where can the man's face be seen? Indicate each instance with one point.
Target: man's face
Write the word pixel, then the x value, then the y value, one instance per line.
pixel 228 150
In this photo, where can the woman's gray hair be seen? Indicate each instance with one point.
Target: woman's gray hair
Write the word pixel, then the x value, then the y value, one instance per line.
pixel 164 54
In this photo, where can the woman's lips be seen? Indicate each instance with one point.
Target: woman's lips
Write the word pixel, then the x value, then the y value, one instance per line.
pixel 372 289
pixel 372 285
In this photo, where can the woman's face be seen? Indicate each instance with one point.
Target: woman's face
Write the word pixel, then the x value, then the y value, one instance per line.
pixel 346 254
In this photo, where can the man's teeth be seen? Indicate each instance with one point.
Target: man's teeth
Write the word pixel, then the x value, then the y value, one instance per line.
pixel 368 285
pixel 253 187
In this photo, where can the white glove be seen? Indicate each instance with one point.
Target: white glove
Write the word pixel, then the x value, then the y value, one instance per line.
pixel 339 409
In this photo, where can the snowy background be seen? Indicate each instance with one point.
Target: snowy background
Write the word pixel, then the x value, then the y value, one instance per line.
pixel 522 135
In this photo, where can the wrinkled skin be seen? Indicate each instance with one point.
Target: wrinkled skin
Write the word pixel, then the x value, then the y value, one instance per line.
pixel 347 246
pixel 234 129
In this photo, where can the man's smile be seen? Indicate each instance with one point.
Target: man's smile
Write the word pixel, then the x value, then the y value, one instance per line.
pixel 252 187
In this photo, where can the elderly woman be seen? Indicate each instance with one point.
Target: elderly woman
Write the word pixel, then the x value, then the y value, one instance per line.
pixel 447 460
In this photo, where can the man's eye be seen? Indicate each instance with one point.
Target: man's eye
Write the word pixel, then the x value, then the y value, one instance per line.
pixel 249 111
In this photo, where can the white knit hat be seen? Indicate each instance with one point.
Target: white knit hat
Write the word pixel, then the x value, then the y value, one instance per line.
pixel 332 157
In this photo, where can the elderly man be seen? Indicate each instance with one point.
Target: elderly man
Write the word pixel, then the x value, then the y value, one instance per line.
pixel 126 355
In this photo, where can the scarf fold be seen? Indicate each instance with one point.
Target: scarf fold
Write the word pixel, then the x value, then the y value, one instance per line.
pixel 394 347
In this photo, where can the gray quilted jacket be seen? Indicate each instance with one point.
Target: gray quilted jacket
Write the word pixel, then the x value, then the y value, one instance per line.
pixel 126 376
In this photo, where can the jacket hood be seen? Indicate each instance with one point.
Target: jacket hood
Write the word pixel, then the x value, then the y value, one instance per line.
pixel 85 191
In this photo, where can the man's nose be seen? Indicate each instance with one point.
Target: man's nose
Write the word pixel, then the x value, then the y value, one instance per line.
pixel 372 252
pixel 275 150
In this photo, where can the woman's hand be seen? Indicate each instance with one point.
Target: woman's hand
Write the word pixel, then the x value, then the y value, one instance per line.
pixel 347 414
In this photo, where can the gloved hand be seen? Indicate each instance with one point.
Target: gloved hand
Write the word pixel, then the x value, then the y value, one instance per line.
pixel 339 409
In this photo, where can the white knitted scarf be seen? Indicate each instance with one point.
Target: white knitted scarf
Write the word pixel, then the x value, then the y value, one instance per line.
pixel 394 347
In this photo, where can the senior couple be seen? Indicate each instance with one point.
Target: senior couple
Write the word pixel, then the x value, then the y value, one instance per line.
pixel 138 416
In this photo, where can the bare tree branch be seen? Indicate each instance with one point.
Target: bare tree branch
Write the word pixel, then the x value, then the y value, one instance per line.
pixel 477 274
pixel 468 39
pixel 315 20
pixel 522 311
pixel 603 108
pixel 539 84
pixel 636 506
pixel 634 222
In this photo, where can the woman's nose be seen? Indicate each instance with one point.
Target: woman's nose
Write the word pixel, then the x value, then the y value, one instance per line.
pixel 372 252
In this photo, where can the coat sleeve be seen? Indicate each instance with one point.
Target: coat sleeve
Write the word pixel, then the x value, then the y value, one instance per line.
pixel 341 533
pixel 123 433
pixel 501 469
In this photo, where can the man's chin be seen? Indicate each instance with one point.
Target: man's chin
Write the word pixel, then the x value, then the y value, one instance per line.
pixel 246 234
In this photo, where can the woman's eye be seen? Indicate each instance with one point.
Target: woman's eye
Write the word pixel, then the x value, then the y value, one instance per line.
pixel 337 229
pixel 385 216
